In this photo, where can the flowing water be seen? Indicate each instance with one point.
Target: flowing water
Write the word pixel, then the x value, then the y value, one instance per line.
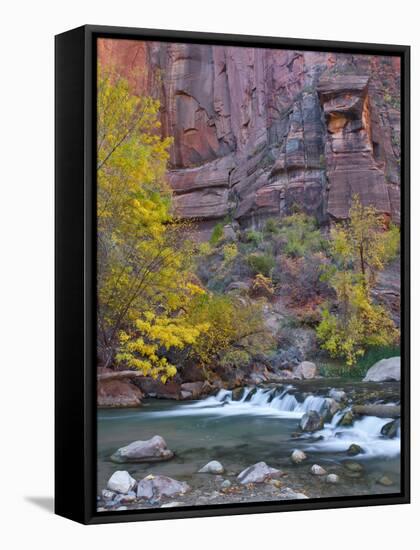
pixel 260 425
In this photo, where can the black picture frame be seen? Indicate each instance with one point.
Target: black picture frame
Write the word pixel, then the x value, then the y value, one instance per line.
pixel 75 293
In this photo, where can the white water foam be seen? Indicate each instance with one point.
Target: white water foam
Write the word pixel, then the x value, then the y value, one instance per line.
pixel 365 432
pixel 259 401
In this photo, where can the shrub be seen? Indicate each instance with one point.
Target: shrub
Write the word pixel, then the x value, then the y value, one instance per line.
pixel 235 358
pixel 232 322
pixel 261 263
pixel 204 249
pixel 375 354
pixel 262 287
pixel 271 226
pixel 230 251
pixel 216 234
pixel 299 235
pixel 359 370
pixel 301 279
pixel 358 325
pixel 253 237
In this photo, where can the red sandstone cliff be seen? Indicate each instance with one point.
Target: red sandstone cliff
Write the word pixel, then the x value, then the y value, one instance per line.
pixel 258 130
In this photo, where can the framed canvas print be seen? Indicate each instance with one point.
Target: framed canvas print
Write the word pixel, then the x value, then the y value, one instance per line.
pixel 232 274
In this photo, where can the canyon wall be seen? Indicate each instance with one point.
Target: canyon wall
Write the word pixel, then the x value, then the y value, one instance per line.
pixel 258 132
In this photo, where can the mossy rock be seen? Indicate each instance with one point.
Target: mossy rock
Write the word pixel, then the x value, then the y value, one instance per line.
pixel 354 450
pixel 347 419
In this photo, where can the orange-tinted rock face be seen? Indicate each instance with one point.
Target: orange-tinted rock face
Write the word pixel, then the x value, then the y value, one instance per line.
pixel 257 131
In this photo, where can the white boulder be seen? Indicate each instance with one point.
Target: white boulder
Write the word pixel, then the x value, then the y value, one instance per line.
pixel 121 482
pixel 332 478
pixel 298 456
pixel 306 371
pixel 212 467
pixel 384 370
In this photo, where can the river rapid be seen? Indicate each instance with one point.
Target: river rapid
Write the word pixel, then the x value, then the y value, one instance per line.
pixel 259 424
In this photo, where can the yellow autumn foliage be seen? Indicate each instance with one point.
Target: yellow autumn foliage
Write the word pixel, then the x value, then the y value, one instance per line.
pixel 359 249
pixel 144 280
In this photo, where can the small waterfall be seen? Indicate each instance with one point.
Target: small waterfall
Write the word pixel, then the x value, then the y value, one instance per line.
pixel 338 416
pixel 311 403
pixel 266 401
pixel 287 403
pixel 223 396
pixel 247 391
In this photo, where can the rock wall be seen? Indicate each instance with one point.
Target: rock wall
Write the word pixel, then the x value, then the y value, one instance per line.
pixel 258 131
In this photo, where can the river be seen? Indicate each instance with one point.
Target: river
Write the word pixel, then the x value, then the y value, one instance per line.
pixel 259 425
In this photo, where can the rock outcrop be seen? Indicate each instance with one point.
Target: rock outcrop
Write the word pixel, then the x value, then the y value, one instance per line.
pixel 257 131
pixel 114 389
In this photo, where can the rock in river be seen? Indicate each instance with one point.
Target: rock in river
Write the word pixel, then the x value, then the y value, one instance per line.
pixel 391 429
pixel 332 478
pixel 298 456
pixel 329 408
pixel 212 467
pixel 121 482
pixel 354 450
pixel 347 419
pixel 353 466
pixel 152 450
pixel 385 481
pixel 317 470
pixel 155 487
pixel 311 422
pixel 338 395
pixel 384 370
pixel 258 473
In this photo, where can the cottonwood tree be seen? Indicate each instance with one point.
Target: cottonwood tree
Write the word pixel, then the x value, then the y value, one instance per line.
pixel 144 283
pixel 360 249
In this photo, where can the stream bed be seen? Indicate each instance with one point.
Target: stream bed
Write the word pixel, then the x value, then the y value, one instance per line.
pixel 259 424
